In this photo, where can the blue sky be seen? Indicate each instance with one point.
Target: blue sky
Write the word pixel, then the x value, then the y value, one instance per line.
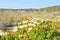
pixel 22 4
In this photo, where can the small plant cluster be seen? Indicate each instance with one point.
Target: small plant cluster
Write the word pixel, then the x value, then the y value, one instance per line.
pixel 32 30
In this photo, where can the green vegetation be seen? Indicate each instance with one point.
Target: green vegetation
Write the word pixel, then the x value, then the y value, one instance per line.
pixel 30 24
pixel 32 30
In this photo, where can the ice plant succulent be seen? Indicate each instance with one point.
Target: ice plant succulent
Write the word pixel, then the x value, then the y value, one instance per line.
pixel 28 30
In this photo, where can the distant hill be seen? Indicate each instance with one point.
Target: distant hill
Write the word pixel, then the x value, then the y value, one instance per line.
pixel 8 15
pixel 52 8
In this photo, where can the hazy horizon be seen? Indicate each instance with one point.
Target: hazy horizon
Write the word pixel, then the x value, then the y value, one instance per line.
pixel 29 8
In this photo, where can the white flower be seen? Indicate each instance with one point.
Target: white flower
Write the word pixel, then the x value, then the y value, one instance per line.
pixel 59 19
pixel 25 21
pixel 30 24
pixel 19 23
pixel 25 25
pixel 46 39
pixel 38 19
pixel 1 32
pixel 20 26
pixel 20 36
pixel 5 33
pixel 29 29
pixel 35 22
pixel 14 29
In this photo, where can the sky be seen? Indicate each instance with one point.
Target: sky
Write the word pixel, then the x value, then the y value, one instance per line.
pixel 26 4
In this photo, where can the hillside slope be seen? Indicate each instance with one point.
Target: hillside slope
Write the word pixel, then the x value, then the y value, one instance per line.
pixel 8 15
